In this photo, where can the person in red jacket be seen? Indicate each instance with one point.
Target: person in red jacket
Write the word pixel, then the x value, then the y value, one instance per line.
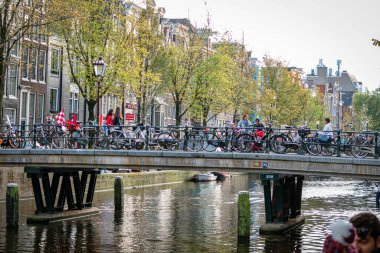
pixel 110 117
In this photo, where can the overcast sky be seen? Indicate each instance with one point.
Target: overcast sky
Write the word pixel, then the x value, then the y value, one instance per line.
pixel 299 32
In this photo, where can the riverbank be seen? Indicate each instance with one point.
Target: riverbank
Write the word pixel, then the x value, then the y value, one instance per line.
pixel 105 182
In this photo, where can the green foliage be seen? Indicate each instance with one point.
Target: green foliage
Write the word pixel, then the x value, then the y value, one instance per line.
pixel 213 85
pixel 366 108
pixel 178 65
pixel 284 100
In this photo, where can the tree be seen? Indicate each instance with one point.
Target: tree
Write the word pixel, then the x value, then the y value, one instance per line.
pixel 212 83
pixel 243 90
pixel 96 28
pixel 177 67
pixel 284 100
pixel 366 109
pixel 146 44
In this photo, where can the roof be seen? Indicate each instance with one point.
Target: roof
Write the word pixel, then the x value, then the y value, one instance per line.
pixel 183 21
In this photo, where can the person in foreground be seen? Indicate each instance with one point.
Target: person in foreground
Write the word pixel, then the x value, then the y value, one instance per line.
pixel 367 227
pixel 341 238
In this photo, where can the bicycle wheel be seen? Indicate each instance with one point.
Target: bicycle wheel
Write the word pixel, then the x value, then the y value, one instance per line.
pixel 244 143
pixel 210 142
pixel 277 143
pixel 360 147
pixel 38 138
pixel 166 141
pixel 14 140
pixel 116 140
pixel 328 149
pixel 100 140
pixel 59 140
pixel 312 146
pixel 77 140
pixel 194 142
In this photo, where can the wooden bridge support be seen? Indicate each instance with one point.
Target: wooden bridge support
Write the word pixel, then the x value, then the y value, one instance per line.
pixel 282 196
pixel 55 187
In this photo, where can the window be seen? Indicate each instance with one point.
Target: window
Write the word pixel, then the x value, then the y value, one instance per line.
pixel 15 48
pixel 11 114
pixel 33 70
pixel 32 107
pixel 28 2
pixel 53 100
pixel 40 108
pixel 42 35
pixel 55 62
pixel 25 63
pixel 76 68
pixel 104 105
pixel 74 103
pixel 12 80
pixel 23 107
pixel 41 65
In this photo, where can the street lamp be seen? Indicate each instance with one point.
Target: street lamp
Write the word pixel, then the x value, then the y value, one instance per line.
pixel 99 70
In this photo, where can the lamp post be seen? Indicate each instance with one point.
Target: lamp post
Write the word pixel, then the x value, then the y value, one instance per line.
pixel 99 70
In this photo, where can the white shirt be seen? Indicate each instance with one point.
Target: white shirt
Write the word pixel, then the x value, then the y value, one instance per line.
pixel 327 128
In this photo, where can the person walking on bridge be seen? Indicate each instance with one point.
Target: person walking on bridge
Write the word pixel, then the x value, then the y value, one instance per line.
pixel 244 123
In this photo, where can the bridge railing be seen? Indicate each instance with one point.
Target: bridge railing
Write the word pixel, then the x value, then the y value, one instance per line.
pixel 285 140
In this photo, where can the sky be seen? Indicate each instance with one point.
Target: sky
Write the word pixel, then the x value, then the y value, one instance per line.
pixel 299 32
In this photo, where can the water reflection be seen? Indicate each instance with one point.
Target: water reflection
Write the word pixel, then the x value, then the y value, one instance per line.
pixel 190 217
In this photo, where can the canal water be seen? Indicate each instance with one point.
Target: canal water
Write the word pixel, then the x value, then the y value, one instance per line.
pixel 191 217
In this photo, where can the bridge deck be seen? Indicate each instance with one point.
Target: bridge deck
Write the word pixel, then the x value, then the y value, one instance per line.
pixel 180 160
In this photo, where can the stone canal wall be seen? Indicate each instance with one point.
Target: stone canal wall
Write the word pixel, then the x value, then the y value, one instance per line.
pixel 104 181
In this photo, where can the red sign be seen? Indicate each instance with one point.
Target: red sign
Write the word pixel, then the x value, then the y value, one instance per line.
pixel 129 116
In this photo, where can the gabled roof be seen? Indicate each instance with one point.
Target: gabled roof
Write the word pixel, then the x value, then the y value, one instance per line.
pixel 183 21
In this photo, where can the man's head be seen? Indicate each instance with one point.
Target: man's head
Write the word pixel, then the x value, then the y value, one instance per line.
pixel 245 116
pixel 257 120
pixel 327 120
pixel 367 238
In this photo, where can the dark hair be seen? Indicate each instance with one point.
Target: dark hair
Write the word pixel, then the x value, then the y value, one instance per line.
pixel 327 120
pixel 117 112
pixel 110 112
pixel 245 115
pixel 257 119
pixel 366 223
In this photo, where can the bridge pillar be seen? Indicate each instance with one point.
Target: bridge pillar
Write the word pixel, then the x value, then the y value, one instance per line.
pixel 282 198
pixel 50 197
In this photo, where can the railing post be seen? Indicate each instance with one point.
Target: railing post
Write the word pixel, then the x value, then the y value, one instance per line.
pixel 376 153
pixel 267 146
pixel 35 136
pixel 301 149
pixel 147 138
pixel 226 140
pixel 186 141
pixel 338 144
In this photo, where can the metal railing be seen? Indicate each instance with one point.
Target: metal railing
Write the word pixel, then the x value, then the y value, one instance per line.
pixel 288 140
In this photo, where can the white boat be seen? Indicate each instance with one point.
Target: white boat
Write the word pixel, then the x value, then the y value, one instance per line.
pixel 205 177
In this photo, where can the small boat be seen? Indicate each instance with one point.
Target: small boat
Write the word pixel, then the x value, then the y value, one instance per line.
pixel 220 176
pixel 205 177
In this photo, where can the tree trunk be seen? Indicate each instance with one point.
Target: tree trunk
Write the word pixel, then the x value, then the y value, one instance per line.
pixel 143 108
pixel 138 117
pixel 178 116
pixel 235 116
pixel 204 116
pixel 2 82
